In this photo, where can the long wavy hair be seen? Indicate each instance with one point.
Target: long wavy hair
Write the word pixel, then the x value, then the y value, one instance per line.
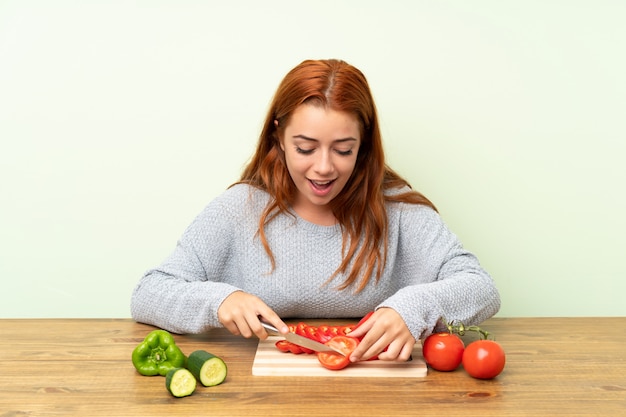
pixel 360 207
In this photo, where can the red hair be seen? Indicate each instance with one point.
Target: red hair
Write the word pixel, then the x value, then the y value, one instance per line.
pixel 360 207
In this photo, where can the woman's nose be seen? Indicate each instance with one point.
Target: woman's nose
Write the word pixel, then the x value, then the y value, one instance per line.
pixel 324 163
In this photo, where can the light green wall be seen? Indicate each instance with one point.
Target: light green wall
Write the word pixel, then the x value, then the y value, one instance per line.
pixel 120 120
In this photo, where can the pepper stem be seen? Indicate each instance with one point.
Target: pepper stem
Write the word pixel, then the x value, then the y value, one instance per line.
pixel 158 355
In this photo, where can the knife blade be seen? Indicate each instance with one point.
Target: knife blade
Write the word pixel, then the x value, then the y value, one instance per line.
pixel 296 339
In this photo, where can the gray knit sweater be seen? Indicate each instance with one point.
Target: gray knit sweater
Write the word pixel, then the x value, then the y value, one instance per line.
pixel 428 275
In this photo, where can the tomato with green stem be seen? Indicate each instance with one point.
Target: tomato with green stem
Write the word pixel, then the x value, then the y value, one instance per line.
pixel 483 358
pixel 443 351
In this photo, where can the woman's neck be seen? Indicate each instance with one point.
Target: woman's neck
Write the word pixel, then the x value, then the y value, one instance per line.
pixel 320 215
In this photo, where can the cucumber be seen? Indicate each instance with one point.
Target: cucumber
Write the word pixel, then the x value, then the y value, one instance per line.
pixel 180 382
pixel 209 369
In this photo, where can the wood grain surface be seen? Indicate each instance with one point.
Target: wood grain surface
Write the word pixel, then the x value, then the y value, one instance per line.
pixel 82 367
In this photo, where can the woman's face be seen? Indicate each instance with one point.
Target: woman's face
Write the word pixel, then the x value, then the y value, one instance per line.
pixel 321 147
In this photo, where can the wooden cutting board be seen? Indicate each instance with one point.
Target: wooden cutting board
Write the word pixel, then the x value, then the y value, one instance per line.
pixel 269 361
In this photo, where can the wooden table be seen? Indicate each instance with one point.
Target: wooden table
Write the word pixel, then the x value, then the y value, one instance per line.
pixel 82 367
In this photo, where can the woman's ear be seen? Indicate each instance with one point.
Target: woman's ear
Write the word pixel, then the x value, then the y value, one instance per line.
pixel 279 136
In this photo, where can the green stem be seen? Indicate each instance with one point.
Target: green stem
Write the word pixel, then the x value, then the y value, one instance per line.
pixel 460 329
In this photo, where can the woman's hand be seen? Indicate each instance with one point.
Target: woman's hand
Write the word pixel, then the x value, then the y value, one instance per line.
pixel 384 329
pixel 240 314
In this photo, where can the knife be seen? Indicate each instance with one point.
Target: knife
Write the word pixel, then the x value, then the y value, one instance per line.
pixel 296 339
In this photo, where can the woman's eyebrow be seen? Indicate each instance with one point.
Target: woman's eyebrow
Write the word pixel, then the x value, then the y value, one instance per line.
pixel 348 139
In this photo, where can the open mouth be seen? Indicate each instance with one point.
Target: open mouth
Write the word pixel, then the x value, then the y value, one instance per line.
pixel 321 185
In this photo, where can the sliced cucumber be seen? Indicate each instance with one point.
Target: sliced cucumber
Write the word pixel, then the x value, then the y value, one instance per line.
pixel 180 382
pixel 209 369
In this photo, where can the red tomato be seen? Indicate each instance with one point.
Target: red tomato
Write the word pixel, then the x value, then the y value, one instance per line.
pixel 333 331
pixel 288 347
pixel 295 349
pixel 332 360
pixel 323 333
pixel 311 333
pixel 283 346
pixel 336 361
pixel 353 328
pixel 345 330
pixel 344 344
pixel 484 359
pixel 443 351
pixel 301 329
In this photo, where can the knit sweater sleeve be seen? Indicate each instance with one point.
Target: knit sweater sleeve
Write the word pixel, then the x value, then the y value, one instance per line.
pixel 439 278
pixel 183 294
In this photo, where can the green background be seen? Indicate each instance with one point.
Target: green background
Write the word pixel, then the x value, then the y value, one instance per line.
pixel 120 120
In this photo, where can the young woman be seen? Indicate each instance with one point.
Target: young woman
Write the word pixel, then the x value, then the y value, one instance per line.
pixel 319 226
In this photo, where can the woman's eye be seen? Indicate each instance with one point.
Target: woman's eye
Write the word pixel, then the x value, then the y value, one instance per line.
pixel 304 151
pixel 340 152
